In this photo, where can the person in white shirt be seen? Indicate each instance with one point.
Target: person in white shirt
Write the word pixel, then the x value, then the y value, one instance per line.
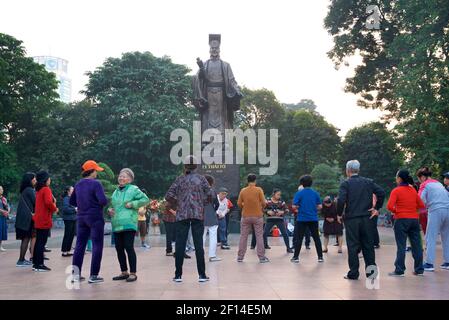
pixel 222 211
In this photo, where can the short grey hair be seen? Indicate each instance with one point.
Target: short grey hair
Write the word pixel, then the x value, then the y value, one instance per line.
pixel 353 166
pixel 128 172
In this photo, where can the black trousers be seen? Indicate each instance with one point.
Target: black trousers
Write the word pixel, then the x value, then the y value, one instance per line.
pixel 39 247
pixel 69 234
pixel 376 238
pixel 124 241
pixel 312 226
pixel 359 237
pixel 410 228
pixel 182 232
pixel 281 225
pixel 306 236
pixel 170 235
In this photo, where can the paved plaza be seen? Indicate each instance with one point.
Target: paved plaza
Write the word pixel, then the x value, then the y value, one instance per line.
pixel 279 279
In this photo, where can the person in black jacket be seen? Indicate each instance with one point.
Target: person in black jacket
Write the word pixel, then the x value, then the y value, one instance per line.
pixel 355 199
pixel 24 223
pixel 69 217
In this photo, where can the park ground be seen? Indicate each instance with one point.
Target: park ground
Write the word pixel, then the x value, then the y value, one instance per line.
pixel 279 279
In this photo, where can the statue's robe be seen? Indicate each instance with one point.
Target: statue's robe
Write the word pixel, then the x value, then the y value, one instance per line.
pixel 216 95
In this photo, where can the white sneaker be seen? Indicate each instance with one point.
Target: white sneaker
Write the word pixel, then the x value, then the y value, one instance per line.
pixel 2 249
pixel 213 259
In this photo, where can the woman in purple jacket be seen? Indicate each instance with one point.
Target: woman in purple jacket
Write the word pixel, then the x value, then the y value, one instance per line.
pixel 89 198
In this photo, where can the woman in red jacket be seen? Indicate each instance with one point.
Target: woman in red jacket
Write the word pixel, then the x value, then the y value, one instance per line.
pixel 404 203
pixel 45 207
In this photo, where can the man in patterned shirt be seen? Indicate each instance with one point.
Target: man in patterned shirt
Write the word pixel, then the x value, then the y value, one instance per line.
pixel 189 193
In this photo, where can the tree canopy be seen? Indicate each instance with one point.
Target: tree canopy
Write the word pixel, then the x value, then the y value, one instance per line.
pixel 404 70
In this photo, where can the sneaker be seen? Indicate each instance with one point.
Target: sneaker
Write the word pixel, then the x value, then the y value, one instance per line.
pixel 145 246
pixel 225 247
pixel 47 250
pixel 95 279
pixel 264 260
pixel 120 277
pixel 320 259
pixel 419 274
pixel 45 258
pixel 2 249
pixel 239 259
pixel 24 263
pixel 42 268
pixel 177 279
pixel 396 274
pixel 308 247
pixel 428 267
pixel 67 254
pixel 131 278
pixel 350 278
pixel 213 259
pixel 168 254
pixel 294 260
pixel 267 247
pixel 77 278
pixel 203 279
pixel 377 246
pixel 289 250
pixel 445 266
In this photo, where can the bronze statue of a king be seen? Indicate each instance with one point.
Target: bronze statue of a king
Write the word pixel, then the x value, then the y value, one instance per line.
pixel 216 94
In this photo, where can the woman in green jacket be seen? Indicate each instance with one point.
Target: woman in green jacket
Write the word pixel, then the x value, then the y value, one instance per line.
pixel 126 201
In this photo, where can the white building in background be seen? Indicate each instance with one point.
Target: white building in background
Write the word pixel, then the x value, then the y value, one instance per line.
pixel 59 67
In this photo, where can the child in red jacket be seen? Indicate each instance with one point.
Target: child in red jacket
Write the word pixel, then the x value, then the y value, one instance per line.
pixel 44 210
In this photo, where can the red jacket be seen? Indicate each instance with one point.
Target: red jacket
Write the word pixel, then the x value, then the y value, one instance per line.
pixel 45 207
pixel 404 203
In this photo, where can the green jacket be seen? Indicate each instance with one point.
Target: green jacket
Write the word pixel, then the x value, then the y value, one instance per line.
pixel 124 218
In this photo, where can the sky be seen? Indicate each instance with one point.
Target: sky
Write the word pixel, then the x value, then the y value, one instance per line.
pixel 279 45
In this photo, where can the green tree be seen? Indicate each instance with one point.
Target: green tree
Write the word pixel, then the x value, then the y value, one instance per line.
pixel 307 139
pixel 326 180
pixel 404 70
pixel 305 104
pixel 259 109
pixel 376 149
pixel 27 96
pixel 9 169
pixel 138 100
pixel 67 135
pixel 107 179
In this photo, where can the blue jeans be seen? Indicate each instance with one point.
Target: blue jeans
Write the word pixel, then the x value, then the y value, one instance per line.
pixel 410 228
pixel 222 232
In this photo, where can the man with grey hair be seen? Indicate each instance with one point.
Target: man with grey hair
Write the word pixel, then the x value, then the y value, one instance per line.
pixel 355 199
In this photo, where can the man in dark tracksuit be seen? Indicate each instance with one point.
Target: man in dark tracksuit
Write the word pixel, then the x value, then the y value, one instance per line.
pixel 355 198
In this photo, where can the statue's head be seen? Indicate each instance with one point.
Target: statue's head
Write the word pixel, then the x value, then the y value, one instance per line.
pixel 214 43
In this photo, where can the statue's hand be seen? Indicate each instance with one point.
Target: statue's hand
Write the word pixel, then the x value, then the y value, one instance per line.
pixel 199 63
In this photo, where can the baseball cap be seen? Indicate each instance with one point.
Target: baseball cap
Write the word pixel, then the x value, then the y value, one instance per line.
pixel 222 189
pixel 91 165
